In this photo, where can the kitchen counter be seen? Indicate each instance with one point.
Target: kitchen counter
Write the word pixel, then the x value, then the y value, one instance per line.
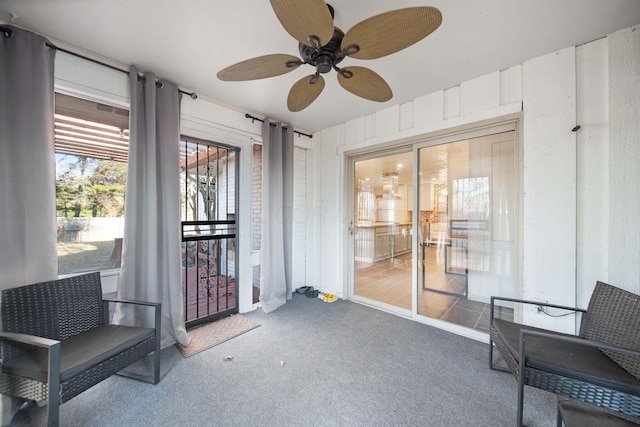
pixel 381 224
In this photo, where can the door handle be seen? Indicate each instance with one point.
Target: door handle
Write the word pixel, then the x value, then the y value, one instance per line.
pixel 351 228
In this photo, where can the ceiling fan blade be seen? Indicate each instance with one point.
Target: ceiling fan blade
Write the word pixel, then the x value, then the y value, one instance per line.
pixel 303 92
pixel 260 67
pixel 307 18
pixel 365 83
pixel 392 31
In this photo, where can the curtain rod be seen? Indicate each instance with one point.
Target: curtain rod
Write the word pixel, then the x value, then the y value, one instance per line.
pixel 192 95
pixel 249 116
pixel 8 33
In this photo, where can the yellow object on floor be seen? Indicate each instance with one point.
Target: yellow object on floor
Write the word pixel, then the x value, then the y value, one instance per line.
pixel 329 297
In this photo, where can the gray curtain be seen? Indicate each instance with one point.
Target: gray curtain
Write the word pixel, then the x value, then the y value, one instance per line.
pixel 277 215
pixel 151 243
pixel 28 251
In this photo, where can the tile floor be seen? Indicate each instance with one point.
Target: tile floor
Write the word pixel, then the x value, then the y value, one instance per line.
pixel 441 297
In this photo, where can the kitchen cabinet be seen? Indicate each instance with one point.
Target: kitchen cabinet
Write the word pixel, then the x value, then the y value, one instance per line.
pixel 426 197
pixel 402 239
pixel 377 242
pixel 382 243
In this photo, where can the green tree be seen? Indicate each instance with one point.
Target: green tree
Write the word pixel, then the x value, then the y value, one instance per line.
pixel 90 187
pixel 108 182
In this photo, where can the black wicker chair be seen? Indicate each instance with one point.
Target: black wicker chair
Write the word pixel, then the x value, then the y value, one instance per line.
pixel 600 366
pixel 56 341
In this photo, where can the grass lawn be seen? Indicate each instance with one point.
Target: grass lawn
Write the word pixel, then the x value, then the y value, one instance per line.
pixel 76 257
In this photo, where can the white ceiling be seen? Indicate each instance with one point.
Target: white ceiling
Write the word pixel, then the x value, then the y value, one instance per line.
pixel 188 42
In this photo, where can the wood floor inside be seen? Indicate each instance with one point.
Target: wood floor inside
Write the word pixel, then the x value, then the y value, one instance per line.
pixel 441 296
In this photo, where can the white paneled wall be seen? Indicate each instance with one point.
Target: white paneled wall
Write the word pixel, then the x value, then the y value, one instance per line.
pixel 580 207
pixel 428 109
pixel 451 102
pixel 624 159
pixel 388 121
pixel 480 94
pixel 406 116
pixel 511 85
pixel 326 211
pixel 549 181
pixel 299 244
pixel 79 77
pixel 592 167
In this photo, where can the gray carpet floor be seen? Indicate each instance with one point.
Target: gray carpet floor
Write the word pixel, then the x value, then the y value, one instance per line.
pixel 312 363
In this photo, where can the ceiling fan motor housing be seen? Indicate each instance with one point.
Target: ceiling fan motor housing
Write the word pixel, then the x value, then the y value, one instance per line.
pixel 325 57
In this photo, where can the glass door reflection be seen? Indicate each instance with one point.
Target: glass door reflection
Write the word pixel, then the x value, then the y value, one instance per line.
pixel 383 232
pixel 468 216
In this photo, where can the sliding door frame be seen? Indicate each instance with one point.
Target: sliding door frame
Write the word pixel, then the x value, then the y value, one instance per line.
pixel 511 122
pixel 351 227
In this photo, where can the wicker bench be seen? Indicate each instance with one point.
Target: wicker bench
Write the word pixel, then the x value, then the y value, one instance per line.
pixel 56 341
pixel 600 366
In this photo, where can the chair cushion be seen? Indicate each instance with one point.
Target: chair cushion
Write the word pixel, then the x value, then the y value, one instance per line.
pixel 80 352
pixel 580 414
pixel 570 360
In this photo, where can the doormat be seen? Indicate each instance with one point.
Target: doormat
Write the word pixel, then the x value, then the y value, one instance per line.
pixel 214 333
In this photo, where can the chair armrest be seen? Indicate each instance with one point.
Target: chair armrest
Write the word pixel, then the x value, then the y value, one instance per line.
pixel 531 302
pixel 28 339
pixel 156 305
pixel 132 301
pixel 53 352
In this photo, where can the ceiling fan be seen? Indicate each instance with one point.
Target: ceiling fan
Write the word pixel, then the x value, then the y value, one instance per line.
pixel 324 46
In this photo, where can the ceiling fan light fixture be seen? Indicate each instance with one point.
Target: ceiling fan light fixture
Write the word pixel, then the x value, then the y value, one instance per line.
pixel 324 63
pixel 311 54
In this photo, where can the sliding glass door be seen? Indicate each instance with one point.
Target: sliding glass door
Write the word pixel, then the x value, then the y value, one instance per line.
pixel 382 229
pixel 468 221
pixel 434 226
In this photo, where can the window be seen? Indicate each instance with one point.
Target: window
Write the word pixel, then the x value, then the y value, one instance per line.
pixel 91 146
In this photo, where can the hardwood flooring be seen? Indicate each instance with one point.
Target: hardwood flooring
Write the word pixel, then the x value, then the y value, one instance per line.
pixel 442 296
